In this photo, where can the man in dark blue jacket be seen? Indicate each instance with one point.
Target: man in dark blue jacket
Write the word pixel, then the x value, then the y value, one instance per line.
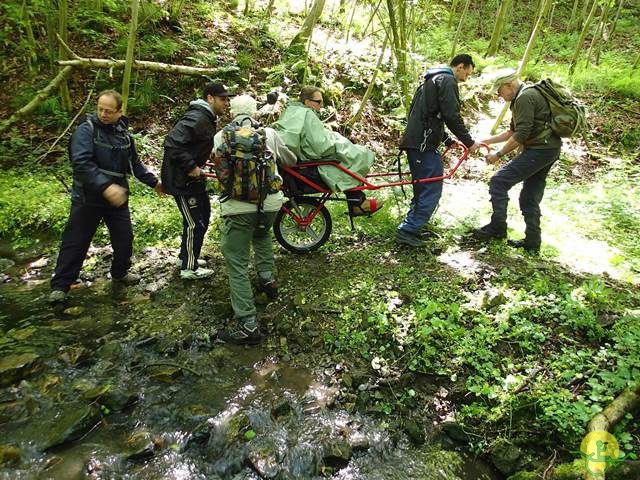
pixel 435 104
pixel 103 154
pixel 186 149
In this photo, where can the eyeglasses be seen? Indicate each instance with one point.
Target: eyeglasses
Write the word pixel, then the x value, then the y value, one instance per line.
pixel 107 111
pixel 319 102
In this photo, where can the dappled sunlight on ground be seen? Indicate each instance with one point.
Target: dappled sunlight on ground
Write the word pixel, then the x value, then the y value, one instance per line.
pixel 465 205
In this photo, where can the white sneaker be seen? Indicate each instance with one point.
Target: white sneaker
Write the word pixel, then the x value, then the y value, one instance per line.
pixel 200 262
pixel 187 274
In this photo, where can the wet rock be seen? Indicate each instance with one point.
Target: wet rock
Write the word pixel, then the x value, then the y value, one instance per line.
pixel 237 425
pixel 22 333
pixel 337 454
pixel 414 431
pixel 6 264
pixel 9 455
pixel 165 373
pixel 264 459
pixel 73 311
pixel 506 457
pixel 281 409
pixel 114 399
pixel 72 423
pixel 140 446
pixel 455 432
pixel 200 435
pixel 117 399
pixel 73 355
pixel 111 350
pixel 14 368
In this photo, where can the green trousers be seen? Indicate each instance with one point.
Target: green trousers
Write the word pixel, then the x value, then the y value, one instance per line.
pixel 239 233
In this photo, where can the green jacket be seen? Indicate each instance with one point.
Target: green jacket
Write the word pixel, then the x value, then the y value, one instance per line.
pixel 306 136
pixel 530 117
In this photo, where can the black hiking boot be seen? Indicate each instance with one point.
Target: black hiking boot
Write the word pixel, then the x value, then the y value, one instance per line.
pixel 242 332
pixel 525 245
pixel 489 232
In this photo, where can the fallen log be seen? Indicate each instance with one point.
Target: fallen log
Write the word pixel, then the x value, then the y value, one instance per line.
pixel 42 95
pixel 146 65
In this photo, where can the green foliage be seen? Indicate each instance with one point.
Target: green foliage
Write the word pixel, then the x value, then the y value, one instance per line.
pixel 34 201
pixel 31 202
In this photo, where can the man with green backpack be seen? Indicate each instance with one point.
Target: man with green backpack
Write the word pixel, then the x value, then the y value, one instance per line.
pixel 541 115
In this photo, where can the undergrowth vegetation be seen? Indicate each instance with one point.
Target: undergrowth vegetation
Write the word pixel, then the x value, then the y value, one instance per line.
pixel 529 348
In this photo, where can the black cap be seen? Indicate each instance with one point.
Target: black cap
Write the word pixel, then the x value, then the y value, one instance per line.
pixel 216 89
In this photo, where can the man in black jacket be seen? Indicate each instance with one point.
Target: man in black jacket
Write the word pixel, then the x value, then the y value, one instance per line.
pixel 103 154
pixel 435 104
pixel 186 149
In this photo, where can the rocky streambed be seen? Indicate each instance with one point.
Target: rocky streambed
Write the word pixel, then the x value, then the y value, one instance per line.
pixel 131 384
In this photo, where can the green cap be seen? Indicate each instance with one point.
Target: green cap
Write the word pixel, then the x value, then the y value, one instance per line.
pixel 502 78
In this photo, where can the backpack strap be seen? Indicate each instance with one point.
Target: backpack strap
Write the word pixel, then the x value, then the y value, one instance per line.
pixel 96 141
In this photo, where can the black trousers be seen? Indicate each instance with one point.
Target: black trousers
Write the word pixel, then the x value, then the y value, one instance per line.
pixel 531 167
pixel 195 210
pixel 76 239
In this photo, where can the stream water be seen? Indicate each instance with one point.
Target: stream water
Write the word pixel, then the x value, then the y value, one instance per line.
pixel 83 397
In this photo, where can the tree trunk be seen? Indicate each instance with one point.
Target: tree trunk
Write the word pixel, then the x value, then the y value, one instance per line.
pixel 65 96
pixel 42 95
pixel 496 36
pixel 348 28
pixel 454 44
pixel 636 63
pixel 583 34
pixel 624 403
pixel 544 36
pixel 399 45
pixel 300 40
pixel 247 8
pixel 574 14
pixel 372 82
pixel 32 57
pixel 452 13
pixel 598 35
pixel 269 8
pixel 544 9
pixel 51 23
pixel 612 29
pixel 131 46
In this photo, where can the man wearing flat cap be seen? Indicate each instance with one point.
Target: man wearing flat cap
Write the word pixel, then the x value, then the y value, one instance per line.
pixel 539 148
pixel 186 149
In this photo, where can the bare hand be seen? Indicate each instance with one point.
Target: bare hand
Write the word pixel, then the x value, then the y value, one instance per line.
pixel 491 158
pixel 474 147
pixel 158 189
pixel 115 195
pixel 195 173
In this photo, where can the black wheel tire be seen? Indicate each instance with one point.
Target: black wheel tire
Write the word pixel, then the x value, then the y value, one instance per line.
pixel 297 240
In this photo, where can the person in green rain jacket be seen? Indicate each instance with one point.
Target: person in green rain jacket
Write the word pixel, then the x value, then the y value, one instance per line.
pixel 302 131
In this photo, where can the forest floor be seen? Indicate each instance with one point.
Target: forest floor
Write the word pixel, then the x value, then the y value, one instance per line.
pixel 505 345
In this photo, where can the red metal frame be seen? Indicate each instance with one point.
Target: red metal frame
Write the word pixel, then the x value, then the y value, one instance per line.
pixel 366 185
pixel 304 222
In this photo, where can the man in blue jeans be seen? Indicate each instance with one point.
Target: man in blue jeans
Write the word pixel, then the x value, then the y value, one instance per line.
pixel 435 104
pixel 540 149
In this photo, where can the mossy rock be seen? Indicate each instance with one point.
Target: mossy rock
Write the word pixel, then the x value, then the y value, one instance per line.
pixel 506 457
pixel 9 455
pixel 72 423
pixel 14 368
pixel 569 471
pixel 525 476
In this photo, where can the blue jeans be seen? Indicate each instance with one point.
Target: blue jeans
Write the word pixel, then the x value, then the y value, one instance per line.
pixel 531 168
pixel 425 195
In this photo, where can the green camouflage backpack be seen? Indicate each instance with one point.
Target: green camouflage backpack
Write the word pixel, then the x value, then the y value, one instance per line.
pixel 568 116
pixel 245 167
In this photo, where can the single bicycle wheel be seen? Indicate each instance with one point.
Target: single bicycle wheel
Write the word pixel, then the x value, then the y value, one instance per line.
pixel 293 229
